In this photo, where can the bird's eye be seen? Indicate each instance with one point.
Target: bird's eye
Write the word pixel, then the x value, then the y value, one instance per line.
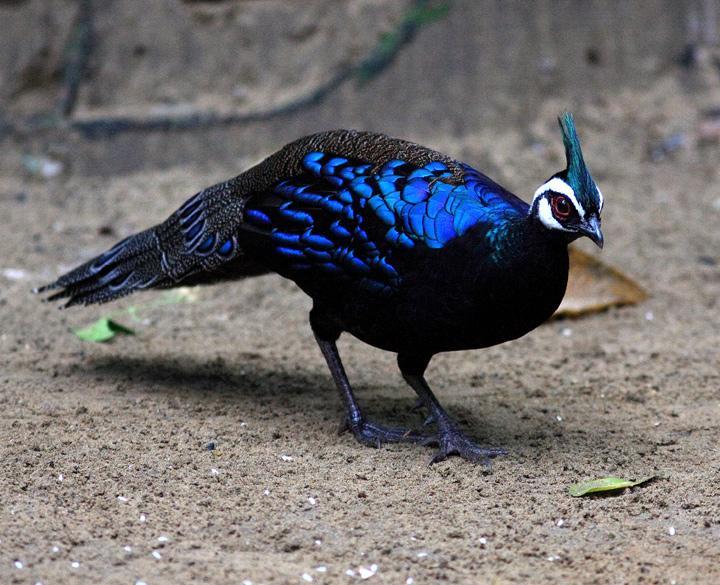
pixel 561 207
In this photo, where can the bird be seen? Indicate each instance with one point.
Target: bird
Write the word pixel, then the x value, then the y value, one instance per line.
pixel 400 246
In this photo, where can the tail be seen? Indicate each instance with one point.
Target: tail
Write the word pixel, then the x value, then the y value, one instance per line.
pixel 196 245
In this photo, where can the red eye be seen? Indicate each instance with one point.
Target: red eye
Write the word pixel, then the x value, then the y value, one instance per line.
pixel 561 207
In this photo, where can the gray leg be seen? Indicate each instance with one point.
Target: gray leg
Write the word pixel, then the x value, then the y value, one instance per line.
pixel 364 431
pixel 450 439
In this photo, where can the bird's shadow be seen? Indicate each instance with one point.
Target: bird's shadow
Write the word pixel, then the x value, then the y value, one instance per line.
pixel 248 383
pixel 251 383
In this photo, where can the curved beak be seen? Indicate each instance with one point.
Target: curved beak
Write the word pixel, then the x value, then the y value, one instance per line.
pixel 591 229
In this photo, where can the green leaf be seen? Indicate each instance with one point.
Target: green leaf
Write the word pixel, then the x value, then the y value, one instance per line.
pixel 605 484
pixel 104 329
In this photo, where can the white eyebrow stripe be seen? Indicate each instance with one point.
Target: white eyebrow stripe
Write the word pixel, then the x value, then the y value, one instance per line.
pixel 557 185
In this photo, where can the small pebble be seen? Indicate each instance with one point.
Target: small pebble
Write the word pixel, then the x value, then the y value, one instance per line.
pixel 318 543
pixel 14 273
pixel 366 573
pixel 74 564
pixel 307 577
pixel 560 522
pixel 558 418
pixel 143 517
pixel 156 554
pixel 18 565
pixel 247 582
pixel 482 540
pixel 671 531
pixel 409 581
pixel 312 501
pixel 321 569
pixel 122 499
pixel 286 457
pixel 350 573
pixel 127 549
pixel 139 582
pixel 215 471
pixel 649 316
pixel 163 539
pixel 567 332
pixel 422 555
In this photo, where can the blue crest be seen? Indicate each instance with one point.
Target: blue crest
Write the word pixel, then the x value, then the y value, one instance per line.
pixel 577 174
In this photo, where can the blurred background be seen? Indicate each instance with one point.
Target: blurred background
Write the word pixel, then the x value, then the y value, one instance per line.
pixel 118 86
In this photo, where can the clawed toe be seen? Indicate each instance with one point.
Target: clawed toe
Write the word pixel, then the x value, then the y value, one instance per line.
pixel 375 435
pixel 453 442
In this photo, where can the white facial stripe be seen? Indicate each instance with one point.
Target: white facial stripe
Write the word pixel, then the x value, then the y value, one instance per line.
pixel 602 200
pixel 557 185
pixel 547 218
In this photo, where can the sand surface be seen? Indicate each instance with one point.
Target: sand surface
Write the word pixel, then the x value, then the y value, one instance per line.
pixel 106 475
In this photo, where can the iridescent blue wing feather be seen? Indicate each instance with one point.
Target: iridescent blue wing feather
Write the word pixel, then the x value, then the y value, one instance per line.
pixel 348 220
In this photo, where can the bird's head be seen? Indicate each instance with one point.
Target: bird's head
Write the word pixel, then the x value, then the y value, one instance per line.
pixel 570 202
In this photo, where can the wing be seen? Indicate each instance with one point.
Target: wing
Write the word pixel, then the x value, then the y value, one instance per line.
pixel 344 220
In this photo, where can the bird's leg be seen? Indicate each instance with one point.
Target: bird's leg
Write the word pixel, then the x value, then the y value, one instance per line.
pixel 364 431
pixel 450 439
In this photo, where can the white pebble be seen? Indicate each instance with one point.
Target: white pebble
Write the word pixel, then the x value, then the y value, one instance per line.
pixel 366 573
pixel 74 564
pixel 307 577
pixel 214 471
pixel 56 549
pixel 286 457
pixel 143 517
pixel 122 499
pixel 163 539
pixel 422 555
pixel 312 501
pixel 156 554
pixel 266 492
pixel 14 273
pixel 656 424
pixel 567 332
pixel 321 569
pixel 60 477
pixel 18 565
pixel 350 573
pixel 409 581
pixel 318 543
pixel 247 582
pixel 127 549
pixel 482 540
pixel 671 531
pixel 552 558
pixel 560 522
pixel 139 582
pixel 649 316
pixel 558 418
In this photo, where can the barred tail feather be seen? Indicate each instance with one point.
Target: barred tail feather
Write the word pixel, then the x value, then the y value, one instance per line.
pixel 133 264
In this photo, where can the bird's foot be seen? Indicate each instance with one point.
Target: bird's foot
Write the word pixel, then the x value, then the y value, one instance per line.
pixel 374 435
pixel 452 441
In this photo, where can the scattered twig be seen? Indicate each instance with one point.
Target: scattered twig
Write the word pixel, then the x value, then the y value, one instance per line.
pixel 76 56
pixel 421 12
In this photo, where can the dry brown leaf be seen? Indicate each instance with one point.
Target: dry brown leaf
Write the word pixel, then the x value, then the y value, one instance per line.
pixel 594 287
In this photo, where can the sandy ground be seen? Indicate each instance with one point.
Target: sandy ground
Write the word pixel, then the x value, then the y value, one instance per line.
pixel 106 473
